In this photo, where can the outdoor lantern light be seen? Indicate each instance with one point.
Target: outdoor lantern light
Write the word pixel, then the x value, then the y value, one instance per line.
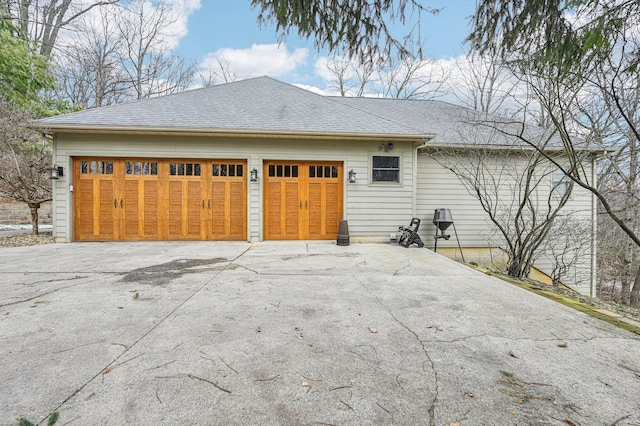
pixel 254 175
pixel 352 176
pixel 56 172
pixel 390 146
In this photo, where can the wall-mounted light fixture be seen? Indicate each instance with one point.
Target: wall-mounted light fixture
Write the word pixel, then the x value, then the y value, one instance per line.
pixel 56 172
pixel 352 176
pixel 390 146
pixel 386 147
pixel 254 175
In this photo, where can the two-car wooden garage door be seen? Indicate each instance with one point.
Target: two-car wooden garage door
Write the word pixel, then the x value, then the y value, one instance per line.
pixel 159 199
pixel 178 199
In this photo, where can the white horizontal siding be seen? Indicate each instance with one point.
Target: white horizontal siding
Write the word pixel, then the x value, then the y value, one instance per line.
pixel 438 187
pixel 373 210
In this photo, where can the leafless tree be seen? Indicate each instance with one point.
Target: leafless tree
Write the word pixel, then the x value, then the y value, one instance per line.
pixel 24 160
pixel 598 108
pixel 350 77
pixel 122 54
pixel 409 78
pixel 88 69
pixel 513 184
pixel 484 83
pixel 612 116
pixel 394 77
pixel 221 71
pixel 151 67
pixel 567 246
pixel 591 56
pixel 43 21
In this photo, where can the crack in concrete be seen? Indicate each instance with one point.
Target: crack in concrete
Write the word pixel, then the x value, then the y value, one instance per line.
pixel 424 349
pixel 17 302
pixel 116 361
pixel 53 280
pixel 248 269
pixel 408 265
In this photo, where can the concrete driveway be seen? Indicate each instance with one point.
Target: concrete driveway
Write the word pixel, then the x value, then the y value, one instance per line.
pixel 296 334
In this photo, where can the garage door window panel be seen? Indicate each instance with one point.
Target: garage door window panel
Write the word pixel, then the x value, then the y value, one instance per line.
pixel 141 168
pixel 96 167
pixel 185 169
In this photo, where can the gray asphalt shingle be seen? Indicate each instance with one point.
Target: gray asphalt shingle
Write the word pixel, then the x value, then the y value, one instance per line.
pixel 451 124
pixel 266 105
pixel 254 105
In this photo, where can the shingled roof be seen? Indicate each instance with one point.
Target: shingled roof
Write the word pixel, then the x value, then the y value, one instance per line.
pixel 452 125
pixel 258 105
pixel 266 106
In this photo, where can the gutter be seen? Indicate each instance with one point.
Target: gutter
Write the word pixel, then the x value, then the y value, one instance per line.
pixel 229 132
pixel 468 147
pixel 594 230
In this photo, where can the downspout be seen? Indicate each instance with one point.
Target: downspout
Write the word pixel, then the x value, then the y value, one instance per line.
pixel 414 201
pixel 54 197
pixel 594 229
pixel 418 147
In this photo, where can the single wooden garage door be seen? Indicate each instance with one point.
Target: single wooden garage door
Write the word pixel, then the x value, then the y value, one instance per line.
pixel 159 199
pixel 303 200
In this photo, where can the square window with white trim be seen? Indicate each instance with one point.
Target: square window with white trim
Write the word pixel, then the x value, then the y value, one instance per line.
pixel 385 168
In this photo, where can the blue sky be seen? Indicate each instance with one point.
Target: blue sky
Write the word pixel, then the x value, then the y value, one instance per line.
pixel 230 27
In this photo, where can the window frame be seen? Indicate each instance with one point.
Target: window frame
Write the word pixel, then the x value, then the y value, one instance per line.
pixel 373 182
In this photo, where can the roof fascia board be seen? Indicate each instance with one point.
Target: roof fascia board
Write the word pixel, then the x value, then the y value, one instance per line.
pixel 233 133
pixel 496 147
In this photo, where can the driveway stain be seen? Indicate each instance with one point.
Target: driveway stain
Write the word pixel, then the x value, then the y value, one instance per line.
pixel 164 273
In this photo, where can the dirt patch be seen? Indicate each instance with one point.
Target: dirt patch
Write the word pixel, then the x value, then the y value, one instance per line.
pixel 167 272
pixel 25 239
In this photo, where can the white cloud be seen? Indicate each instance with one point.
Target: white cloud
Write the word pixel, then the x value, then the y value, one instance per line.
pixel 260 59
pixel 174 23
pixel 314 89
pixel 321 69
pixel 180 10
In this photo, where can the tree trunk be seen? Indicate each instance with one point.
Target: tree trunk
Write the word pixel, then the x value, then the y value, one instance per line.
pixel 625 290
pixel 635 292
pixel 518 268
pixel 34 217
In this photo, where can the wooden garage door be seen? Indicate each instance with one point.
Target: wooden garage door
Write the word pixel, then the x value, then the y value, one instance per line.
pixel 158 199
pixel 303 200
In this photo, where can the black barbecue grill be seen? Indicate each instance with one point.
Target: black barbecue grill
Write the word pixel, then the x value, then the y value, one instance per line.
pixel 442 220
